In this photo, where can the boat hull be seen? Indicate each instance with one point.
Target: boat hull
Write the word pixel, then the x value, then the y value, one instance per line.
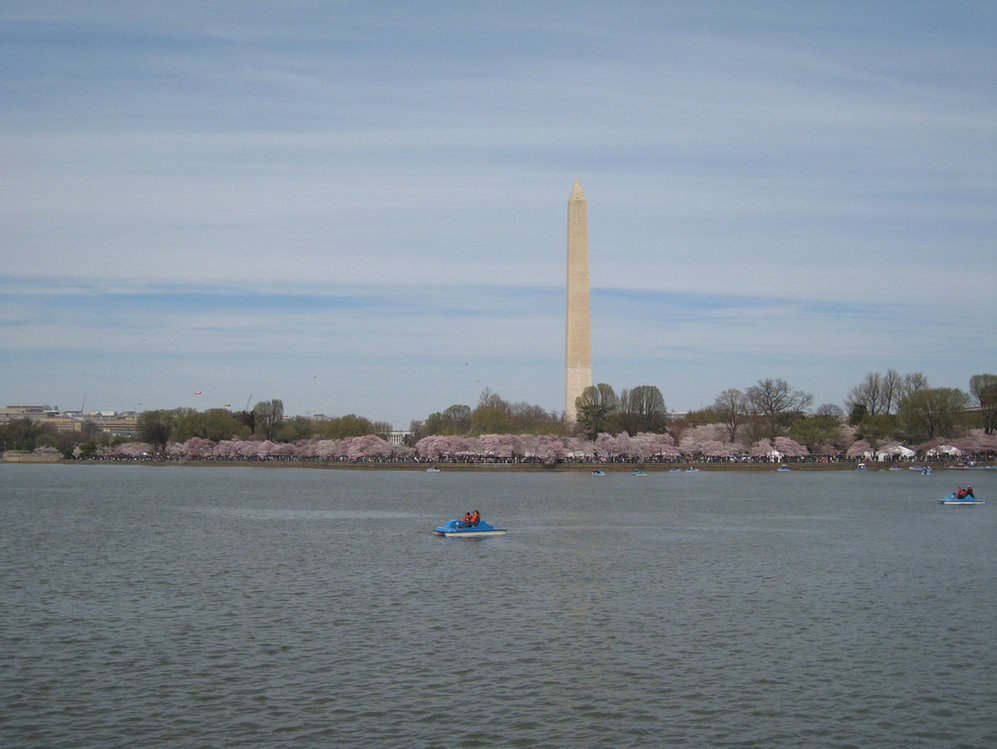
pixel 469 533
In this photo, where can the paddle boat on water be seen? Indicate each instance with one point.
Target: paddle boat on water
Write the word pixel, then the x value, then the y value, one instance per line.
pixel 640 473
pixel 952 499
pixel 783 468
pixel 456 529
pixel 961 497
pixel 597 472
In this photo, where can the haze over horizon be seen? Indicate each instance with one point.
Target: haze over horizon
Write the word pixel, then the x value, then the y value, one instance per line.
pixel 361 207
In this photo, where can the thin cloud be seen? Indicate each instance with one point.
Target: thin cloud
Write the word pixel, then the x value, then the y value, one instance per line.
pixel 380 191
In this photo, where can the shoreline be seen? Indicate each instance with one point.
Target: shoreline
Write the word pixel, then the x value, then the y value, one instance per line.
pixel 678 467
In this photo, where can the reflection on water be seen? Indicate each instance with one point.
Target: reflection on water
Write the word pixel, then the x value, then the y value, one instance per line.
pixel 241 607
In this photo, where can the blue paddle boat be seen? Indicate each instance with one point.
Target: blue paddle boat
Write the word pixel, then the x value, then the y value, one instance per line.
pixel 955 499
pixel 453 529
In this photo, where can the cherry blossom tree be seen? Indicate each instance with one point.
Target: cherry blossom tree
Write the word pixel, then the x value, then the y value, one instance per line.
pixel 625 447
pixel 283 450
pixel 436 447
pixel 985 442
pixel 550 449
pixel 130 450
pixel 197 448
pixel 859 449
pixel 789 448
pixel 761 449
pixel 714 449
pixel 579 447
pixel 264 449
pixel 226 450
pixel 664 447
pixel 368 446
pixel 606 445
pixel 694 438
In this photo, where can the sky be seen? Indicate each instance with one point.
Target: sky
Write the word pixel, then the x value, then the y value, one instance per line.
pixel 361 207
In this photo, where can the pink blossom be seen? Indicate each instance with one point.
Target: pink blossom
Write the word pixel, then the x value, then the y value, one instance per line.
pixel 790 448
pixel 197 448
pixel 761 449
pixel 550 448
pixel 715 449
pixel 859 449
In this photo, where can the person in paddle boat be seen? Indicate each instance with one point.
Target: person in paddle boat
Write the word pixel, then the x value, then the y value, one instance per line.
pixel 470 520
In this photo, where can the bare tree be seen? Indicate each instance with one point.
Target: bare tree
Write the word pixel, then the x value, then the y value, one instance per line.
pixel 984 389
pixel 777 403
pixel 912 383
pixel 268 417
pixel 731 407
pixel 596 406
pixel 890 386
pixel 642 409
pixel 868 393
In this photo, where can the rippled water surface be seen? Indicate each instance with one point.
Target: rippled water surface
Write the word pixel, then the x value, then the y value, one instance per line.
pixel 240 607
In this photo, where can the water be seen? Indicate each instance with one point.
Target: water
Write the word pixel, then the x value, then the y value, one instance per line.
pixel 242 607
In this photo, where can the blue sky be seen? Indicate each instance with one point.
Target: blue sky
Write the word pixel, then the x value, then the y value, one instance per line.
pixel 360 207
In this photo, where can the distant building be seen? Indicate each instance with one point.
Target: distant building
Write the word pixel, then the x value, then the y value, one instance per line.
pixel 115 423
pixel 397 437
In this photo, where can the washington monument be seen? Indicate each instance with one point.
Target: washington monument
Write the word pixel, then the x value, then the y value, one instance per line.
pixel 578 322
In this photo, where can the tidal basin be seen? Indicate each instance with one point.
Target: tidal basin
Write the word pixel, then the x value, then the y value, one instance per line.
pixel 232 607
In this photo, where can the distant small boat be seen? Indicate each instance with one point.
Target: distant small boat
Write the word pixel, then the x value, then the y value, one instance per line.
pixel 640 473
pixel 692 470
pixel 434 469
pixel 597 472
pixel 861 467
pixel 783 468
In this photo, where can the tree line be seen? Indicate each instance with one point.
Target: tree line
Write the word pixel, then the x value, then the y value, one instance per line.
pixel 882 407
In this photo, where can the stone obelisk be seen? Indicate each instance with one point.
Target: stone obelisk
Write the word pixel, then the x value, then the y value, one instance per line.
pixel 578 320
